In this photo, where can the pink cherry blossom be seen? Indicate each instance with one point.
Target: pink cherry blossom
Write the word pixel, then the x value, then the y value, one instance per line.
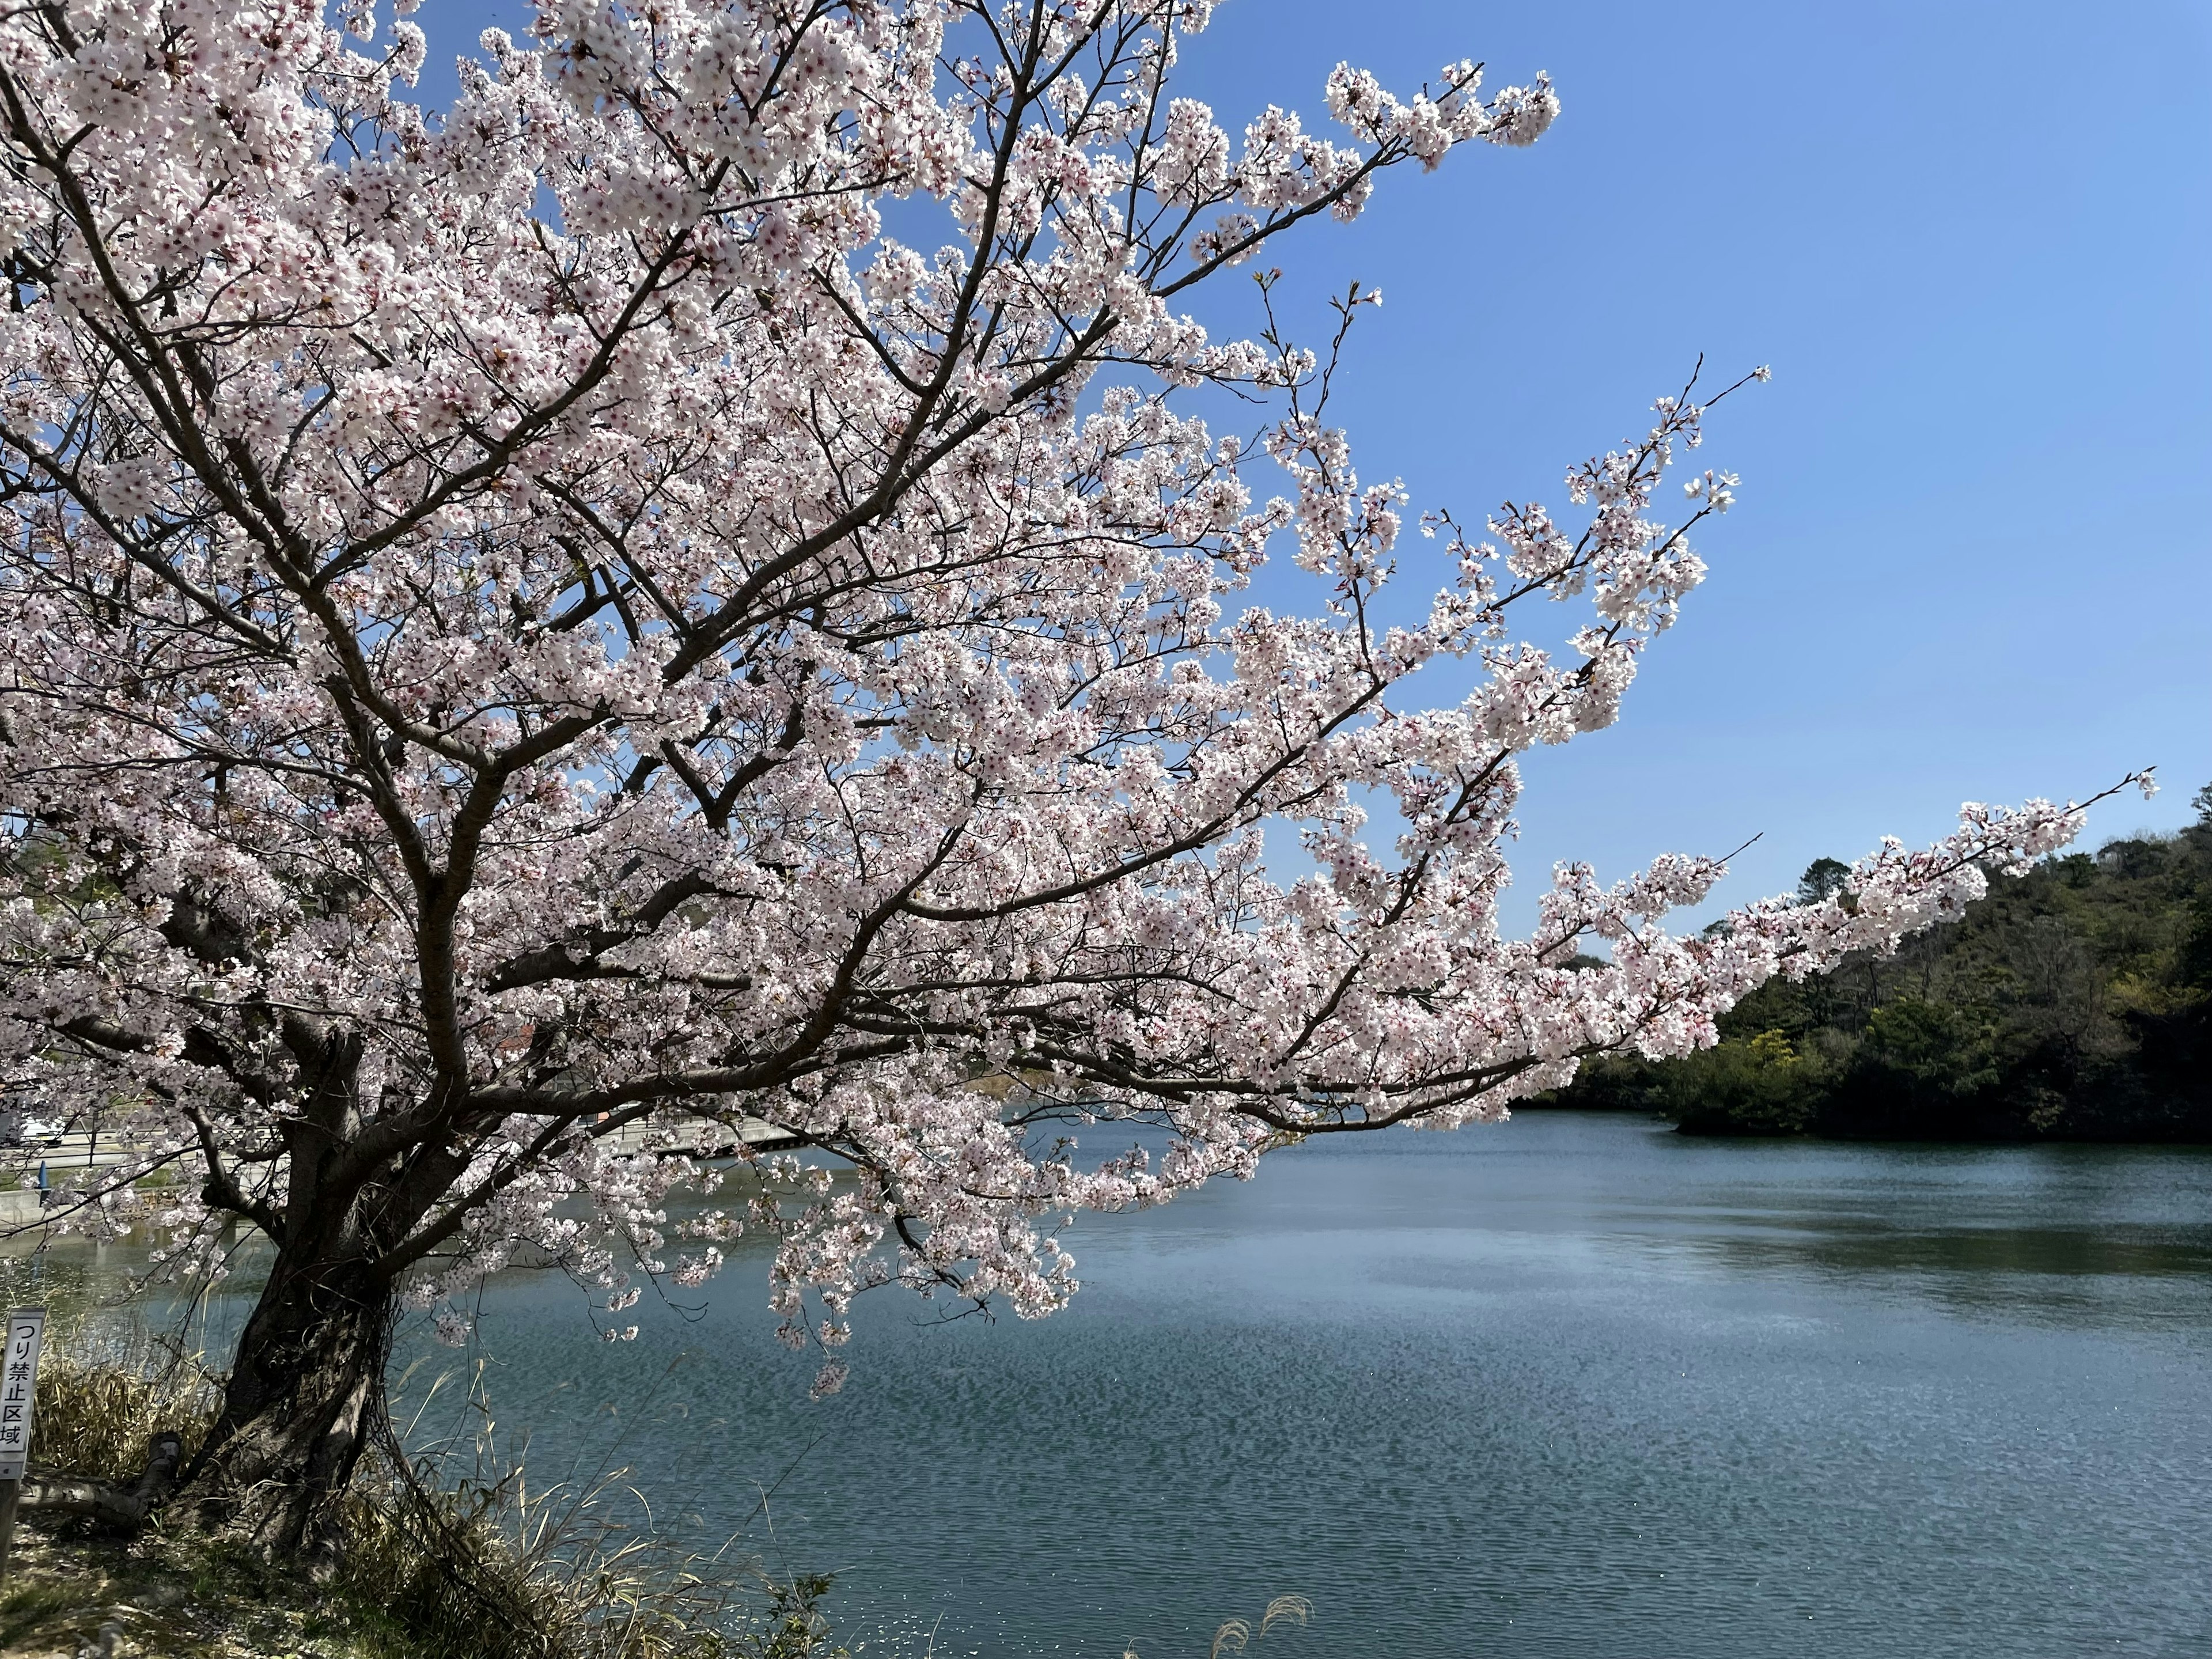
pixel 547 620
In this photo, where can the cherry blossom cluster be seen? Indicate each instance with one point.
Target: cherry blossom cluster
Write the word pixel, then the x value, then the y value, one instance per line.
pixel 544 623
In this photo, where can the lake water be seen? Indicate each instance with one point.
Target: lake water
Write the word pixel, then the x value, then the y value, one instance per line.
pixel 1574 1386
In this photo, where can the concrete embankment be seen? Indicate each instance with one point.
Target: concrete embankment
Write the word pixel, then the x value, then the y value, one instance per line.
pixel 47 1161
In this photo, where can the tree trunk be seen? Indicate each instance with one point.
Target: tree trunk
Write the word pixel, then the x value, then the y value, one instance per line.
pixel 304 1390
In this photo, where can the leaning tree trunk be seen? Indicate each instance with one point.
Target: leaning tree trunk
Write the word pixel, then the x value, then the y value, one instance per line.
pixel 304 1386
pixel 305 1393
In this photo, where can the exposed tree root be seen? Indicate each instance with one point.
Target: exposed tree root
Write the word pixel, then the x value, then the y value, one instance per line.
pixel 110 1507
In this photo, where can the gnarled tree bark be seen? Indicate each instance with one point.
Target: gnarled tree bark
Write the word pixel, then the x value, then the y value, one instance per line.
pixel 299 1409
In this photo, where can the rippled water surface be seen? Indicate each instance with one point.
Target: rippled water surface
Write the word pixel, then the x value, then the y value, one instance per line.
pixel 1574 1386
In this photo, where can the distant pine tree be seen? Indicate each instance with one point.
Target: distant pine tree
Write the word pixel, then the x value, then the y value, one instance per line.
pixel 1822 877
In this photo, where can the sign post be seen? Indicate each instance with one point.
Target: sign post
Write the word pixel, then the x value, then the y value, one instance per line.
pixel 19 1386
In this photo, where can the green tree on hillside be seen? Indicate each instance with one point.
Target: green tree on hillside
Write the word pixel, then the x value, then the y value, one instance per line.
pixel 2074 1004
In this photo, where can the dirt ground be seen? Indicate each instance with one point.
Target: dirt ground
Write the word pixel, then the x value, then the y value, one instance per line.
pixel 88 1598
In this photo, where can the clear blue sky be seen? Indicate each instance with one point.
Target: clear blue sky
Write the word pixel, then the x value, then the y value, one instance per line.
pixel 1972 552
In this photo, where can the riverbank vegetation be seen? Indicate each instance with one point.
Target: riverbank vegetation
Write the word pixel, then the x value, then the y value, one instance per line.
pixel 468 1568
pixel 2073 1004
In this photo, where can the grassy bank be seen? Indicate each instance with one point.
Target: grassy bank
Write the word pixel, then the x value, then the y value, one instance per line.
pixel 471 1570
pixel 184 1597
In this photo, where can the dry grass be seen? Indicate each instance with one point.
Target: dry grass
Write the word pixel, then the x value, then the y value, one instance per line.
pixel 483 1569
pixel 1236 1635
pixel 98 1405
pixel 496 1572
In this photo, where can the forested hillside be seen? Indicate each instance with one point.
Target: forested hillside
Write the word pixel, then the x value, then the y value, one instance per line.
pixel 2073 1004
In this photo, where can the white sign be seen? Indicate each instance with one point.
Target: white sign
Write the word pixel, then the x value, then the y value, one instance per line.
pixel 19 1382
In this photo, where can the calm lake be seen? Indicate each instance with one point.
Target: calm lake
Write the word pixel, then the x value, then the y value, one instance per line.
pixel 1573 1386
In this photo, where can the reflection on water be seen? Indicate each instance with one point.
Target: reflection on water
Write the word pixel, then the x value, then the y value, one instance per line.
pixel 2024 1233
pixel 1572 1387
pixel 2002 1263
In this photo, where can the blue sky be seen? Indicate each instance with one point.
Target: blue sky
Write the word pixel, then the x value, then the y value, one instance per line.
pixel 1972 552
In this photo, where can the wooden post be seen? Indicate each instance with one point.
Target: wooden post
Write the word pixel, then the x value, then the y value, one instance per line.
pixel 18 1391
pixel 10 1490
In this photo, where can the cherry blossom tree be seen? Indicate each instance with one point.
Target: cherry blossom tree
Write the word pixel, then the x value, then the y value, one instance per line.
pixel 550 620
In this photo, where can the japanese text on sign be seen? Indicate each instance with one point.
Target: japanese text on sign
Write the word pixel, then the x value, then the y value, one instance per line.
pixel 19 1379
